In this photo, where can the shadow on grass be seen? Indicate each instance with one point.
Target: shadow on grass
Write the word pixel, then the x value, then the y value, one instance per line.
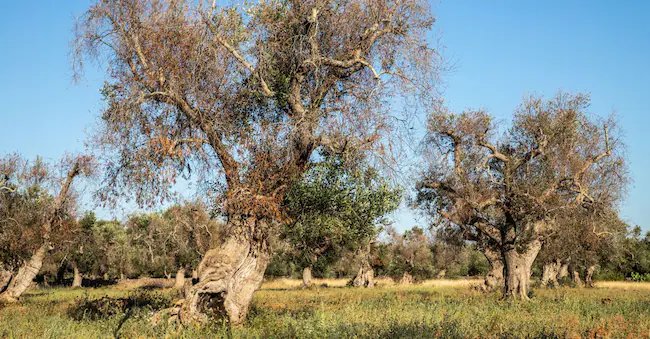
pixel 85 308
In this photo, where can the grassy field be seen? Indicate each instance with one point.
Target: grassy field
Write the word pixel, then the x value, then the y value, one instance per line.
pixel 445 309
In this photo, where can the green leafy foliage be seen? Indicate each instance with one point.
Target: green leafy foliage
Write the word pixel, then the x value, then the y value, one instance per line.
pixel 337 208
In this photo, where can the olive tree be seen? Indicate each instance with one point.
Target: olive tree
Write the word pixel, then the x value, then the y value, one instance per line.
pixel 244 95
pixel 555 156
pixel 337 208
pixel 37 200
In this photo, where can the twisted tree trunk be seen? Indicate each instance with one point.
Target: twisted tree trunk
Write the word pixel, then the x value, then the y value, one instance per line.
pixel 366 275
pixel 550 273
pixel 589 274
pixel 26 274
pixel 306 276
pixel 518 265
pixel 494 277
pixel 576 279
pixel 180 279
pixel 78 279
pixel 229 275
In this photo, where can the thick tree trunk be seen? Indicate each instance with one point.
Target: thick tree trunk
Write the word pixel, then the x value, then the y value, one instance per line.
pixel 564 271
pixel 78 279
pixel 26 274
pixel 229 275
pixel 550 273
pixel 589 275
pixel 576 279
pixel 441 274
pixel 494 277
pixel 306 276
pixel 180 279
pixel 195 274
pixel 365 277
pixel 105 277
pixel 518 267
pixel 122 277
pixel 5 278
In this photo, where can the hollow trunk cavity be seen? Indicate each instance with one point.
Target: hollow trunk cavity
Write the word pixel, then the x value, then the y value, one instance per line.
pixel 229 275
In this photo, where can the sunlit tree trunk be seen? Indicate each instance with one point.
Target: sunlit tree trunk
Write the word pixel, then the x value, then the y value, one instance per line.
pixel 180 278
pixel 589 275
pixel 366 275
pixel 576 279
pixel 494 277
pixel 77 279
pixel 306 276
pixel 550 273
pixel 229 275
pixel 518 265
pixel 26 274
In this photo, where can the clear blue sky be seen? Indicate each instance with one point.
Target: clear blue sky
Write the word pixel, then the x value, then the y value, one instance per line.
pixel 502 50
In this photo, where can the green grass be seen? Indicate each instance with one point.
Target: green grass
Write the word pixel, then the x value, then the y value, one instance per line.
pixel 384 312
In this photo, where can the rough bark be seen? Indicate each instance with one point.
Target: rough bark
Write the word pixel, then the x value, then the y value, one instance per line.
pixel 589 275
pixel 518 265
pixel 576 279
pixel 550 273
pixel 306 276
pixel 365 276
pixel 26 274
pixel 229 275
pixel 494 277
pixel 5 278
pixel 77 280
pixel 564 271
pixel 180 279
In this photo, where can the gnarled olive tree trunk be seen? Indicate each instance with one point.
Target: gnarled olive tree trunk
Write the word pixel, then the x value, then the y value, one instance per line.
pixel 26 274
pixel 366 275
pixel 518 265
pixel 77 279
pixel 576 279
pixel 494 277
pixel 229 275
pixel 306 276
pixel 180 279
pixel 550 273
pixel 589 275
